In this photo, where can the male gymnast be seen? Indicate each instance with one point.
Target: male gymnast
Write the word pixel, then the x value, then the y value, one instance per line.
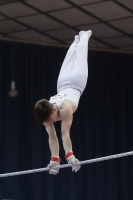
pixel 70 86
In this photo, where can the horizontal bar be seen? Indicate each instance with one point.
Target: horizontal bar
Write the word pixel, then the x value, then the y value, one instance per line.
pixel 68 165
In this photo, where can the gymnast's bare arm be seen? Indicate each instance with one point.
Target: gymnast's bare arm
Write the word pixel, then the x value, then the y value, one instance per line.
pixel 66 113
pixel 67 118
pixel 53 140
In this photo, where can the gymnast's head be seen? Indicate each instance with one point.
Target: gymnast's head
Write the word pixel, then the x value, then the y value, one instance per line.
pixel 45 111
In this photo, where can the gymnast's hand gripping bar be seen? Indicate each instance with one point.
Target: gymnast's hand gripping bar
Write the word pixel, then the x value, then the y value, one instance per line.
pixel 68 165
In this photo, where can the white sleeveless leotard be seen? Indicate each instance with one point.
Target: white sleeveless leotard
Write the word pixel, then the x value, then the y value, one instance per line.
pixel 69 94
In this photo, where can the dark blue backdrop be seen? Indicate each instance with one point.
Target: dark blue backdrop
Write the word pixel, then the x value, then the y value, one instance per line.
pixel 103 125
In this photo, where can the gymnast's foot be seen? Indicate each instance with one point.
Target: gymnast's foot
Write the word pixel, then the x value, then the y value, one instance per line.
pixel 82 32
pixel 77 38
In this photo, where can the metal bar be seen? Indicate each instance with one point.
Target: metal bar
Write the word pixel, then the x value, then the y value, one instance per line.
pixel 68 165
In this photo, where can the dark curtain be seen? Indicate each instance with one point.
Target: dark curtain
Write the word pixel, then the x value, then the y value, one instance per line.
pixel 102 126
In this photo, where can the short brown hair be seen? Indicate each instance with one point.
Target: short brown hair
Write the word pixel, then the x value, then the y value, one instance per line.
pixel 43 109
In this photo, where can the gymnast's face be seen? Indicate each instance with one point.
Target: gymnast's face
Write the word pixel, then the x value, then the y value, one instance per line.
pixel 53 116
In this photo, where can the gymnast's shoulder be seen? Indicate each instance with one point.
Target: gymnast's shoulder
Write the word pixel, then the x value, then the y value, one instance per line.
pixel 67 108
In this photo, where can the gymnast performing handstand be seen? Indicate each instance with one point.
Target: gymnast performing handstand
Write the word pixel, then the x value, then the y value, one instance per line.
pixel 70 86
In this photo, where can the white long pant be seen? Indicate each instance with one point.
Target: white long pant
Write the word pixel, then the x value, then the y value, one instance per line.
pixel 74 70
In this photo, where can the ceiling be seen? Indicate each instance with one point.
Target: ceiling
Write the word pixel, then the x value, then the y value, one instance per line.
pixel 56 22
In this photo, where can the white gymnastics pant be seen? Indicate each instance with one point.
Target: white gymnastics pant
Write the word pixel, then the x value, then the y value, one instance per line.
pixel 74 70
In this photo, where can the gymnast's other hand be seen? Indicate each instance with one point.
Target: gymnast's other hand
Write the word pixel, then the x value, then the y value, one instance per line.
pixel 72 160
pixel 52 164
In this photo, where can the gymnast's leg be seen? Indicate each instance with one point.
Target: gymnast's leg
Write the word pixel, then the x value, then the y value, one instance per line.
pixel 74 71
pixel 81 63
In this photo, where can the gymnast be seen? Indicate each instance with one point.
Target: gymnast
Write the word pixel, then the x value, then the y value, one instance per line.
pixel 70 86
